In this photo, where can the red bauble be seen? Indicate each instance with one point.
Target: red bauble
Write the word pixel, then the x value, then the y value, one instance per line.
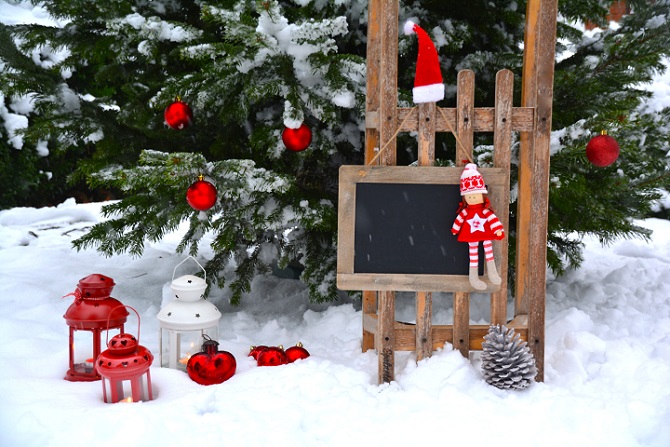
pixel 297 352
pixel 602 150
pixel 201 195
pixel 297 140
pixel 211 366
pixel 178 115
pixel 272 356
pixel 255 350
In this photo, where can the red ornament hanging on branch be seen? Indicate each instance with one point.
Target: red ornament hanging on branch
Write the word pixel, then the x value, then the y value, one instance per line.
pixel 602 150
pixel 211 366
pixel 297 140
pixel 178 115
pixel 201 195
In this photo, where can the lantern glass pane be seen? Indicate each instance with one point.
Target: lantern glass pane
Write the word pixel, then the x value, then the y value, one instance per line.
pixel 178 346
pixel 85 351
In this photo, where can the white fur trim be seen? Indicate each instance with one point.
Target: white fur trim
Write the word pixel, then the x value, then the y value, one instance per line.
pixel 408 28
pixel 428 93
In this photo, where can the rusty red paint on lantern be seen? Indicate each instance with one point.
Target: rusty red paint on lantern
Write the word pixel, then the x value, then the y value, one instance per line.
pixel 125 362
pixel 93 311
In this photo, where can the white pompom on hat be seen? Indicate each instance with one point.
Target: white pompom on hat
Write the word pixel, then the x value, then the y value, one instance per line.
pixel 472 181
pixel 428 85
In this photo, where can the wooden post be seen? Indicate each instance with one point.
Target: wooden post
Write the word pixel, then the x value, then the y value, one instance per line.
pixel 533 206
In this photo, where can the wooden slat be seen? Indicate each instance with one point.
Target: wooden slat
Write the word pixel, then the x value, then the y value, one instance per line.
pixel 502 143
pixel 438 175
pixel 405 333
pixel 522 119
pixel 409 283
pixel 534 172
pixel 373 60
pixel 465 109
pixel 424 300
pixel 388 109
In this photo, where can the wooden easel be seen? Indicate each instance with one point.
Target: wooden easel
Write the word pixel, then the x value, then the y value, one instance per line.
pixel 533 120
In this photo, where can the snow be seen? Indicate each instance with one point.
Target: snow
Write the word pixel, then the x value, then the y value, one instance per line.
pixel 607 378
pixel 607 353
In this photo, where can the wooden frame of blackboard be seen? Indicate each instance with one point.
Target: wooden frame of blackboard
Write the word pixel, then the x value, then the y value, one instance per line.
pixel 347 276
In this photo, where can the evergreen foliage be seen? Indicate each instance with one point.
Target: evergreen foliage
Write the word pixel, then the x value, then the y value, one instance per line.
pixel 507 362
pixel 97 86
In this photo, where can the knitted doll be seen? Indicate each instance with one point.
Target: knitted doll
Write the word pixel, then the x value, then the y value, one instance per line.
pixel 477 223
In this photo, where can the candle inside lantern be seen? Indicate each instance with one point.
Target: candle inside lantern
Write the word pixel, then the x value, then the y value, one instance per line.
pixel 127 399
pixel 184 361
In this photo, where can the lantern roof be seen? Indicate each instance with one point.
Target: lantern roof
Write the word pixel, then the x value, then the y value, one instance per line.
pixel 95 286
pixel 114 362
pixel 96 314
pixel 189 315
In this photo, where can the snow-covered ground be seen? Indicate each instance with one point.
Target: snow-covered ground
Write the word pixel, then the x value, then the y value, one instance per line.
pixel 607 358
pixel 607 364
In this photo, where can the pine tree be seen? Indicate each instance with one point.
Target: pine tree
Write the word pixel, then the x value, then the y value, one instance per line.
pixel 99 82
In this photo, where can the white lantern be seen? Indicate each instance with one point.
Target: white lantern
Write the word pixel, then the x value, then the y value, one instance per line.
pixel 185 320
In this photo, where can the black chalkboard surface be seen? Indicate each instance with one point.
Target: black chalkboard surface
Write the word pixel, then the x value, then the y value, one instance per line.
pixel 406 228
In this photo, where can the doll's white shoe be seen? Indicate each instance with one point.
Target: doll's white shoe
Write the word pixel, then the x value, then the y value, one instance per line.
pixel 493 273
pixel 475 282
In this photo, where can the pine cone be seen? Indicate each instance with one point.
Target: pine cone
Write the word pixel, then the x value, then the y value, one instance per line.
pixel 507 363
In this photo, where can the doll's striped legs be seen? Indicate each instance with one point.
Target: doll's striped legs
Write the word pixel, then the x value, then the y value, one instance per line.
pixel 491 271
pixel 473 274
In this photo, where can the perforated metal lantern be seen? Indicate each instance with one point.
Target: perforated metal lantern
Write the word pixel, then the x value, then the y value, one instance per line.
pixel 186 319
pixel 92 312
pixel 125 368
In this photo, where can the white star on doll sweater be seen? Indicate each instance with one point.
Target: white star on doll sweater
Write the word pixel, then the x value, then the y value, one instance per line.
pixel 476 223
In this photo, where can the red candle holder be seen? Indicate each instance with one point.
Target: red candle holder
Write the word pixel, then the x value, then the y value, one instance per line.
pixel 125 368
pixel 87 317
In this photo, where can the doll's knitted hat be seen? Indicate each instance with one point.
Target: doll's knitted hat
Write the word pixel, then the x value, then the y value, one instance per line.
pixel 472 181
pixel 428 86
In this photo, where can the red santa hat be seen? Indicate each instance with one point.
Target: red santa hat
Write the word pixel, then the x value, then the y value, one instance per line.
pixel 428 86
pixel 472 181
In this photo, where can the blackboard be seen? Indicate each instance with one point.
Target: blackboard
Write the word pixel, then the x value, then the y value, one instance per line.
pixel 406 228
pixel 394 229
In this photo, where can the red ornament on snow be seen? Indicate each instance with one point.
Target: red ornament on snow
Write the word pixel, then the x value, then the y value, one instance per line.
pixel 297 352
pixel 272 356
pixel 211 366
pixel 201 195
pixel 602 150
pixel 297 140
pixel 178 115
pixel 254 351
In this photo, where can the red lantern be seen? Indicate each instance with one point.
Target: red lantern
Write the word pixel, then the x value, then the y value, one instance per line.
pixel 91 312
pixel 124 367
pixel 272 356
pixel 297 352
pixel 201 195
pixel 211 366
pixel 602 150
pixel 178 115
pixel 297 140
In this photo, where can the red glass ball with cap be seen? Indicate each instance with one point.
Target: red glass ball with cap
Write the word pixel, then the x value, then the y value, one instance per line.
pixel 211 366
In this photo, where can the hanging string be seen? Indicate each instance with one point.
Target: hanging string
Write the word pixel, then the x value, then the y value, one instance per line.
pixel 459 144
pixel 411 112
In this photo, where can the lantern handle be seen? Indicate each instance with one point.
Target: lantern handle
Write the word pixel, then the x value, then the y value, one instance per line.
pixel 186 259
pixel 138 322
